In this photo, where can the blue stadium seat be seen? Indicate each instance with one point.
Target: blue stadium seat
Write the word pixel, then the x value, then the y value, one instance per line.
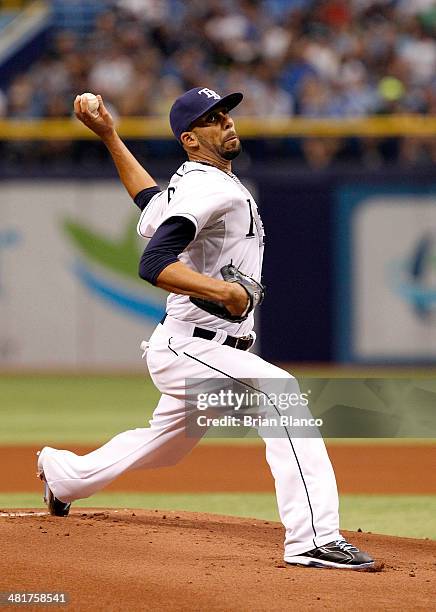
pixel 77 15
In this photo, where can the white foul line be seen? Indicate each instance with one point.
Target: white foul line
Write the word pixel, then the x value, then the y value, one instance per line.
pixel 19 514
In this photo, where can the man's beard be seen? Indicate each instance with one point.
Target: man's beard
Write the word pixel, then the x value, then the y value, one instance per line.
pixel 229 155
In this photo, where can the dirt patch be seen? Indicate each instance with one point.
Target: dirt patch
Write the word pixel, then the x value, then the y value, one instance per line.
pixel 359 469
pixel 154 560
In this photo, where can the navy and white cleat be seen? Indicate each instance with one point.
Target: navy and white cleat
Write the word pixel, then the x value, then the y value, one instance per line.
pixel 338 555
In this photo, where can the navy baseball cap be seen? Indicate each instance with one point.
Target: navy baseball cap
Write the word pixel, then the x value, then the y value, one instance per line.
pixel 196 102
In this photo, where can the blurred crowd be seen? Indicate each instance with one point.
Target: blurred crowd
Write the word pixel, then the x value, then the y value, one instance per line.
pixel 324 58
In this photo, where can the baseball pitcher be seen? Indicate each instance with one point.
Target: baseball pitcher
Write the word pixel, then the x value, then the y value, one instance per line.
pixel 206 248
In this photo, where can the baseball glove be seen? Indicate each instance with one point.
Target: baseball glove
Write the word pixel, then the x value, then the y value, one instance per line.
pixel 231 274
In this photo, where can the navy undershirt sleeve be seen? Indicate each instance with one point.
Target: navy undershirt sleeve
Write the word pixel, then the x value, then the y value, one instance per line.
pixel 169 240
pixel 142 198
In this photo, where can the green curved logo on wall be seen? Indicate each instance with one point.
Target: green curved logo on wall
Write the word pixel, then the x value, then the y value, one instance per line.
pixel 108 268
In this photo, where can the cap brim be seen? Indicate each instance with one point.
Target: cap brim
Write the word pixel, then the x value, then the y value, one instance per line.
pixel 229 102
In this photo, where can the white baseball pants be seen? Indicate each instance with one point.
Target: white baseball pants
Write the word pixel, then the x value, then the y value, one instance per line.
pixel 304 480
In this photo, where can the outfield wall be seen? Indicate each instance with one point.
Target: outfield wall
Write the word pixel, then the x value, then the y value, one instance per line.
pixel 70 293
pixel 349 268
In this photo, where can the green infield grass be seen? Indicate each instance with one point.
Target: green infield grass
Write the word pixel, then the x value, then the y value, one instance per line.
pixel 400 515
pixel 45 409
pixel 85 409
pixel 78 409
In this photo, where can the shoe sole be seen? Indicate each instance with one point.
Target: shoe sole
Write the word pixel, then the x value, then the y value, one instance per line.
pixel 310 562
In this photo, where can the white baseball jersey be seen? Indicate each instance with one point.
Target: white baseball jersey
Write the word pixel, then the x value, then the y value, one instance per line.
pixel 228 229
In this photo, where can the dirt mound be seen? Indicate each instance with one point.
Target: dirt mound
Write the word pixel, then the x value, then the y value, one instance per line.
pixel 154 560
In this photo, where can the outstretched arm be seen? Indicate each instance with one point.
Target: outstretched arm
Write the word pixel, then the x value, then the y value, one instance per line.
pixel 133 176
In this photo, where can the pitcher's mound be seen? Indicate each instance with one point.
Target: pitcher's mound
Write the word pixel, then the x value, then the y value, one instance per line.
pixel 156 560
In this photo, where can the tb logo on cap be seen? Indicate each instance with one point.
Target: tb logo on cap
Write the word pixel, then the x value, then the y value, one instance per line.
pixel 209 93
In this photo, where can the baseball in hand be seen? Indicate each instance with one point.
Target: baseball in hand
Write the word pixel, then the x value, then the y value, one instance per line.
pixel 93 103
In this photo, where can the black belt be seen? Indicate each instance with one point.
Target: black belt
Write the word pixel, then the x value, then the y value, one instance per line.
pixel 243 343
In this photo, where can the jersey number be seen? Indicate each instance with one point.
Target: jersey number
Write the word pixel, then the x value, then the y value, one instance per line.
pixel 171 191
pixel 251 229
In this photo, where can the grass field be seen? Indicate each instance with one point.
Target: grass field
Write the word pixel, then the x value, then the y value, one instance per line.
pixel 91 409
pixel 401 515
pixel 88 409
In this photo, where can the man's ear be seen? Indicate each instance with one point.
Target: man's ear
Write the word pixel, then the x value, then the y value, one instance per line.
pixel 189 140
